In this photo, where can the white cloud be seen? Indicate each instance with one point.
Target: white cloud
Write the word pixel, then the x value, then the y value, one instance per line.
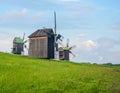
pixel 102 50
pixel 90 43
pixel 5 45
pixel 23 16
pixel 14 14
pixel 87 46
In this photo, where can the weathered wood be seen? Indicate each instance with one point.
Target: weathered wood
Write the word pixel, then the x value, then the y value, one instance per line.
pixel 17 45
pixel 42 44
pixel 63 54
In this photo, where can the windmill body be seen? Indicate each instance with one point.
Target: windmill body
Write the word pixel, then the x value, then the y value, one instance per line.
pixel 17 45
pixel 64 53
pixel 41 44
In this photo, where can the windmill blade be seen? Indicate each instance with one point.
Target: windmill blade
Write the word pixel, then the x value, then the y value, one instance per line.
pixel 60 43
pixel 25 46
pixel 72 47
pixel 67 44
pixel 23 36
pixel 55 23
pixel 59 37
pixel 25 41
pixel 71 53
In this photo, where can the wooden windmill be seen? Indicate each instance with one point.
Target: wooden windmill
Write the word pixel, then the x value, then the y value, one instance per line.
pixel 65 51
pixel 18 45
pixel 43 42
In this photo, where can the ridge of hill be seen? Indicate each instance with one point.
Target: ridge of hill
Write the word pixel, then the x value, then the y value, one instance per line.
pixel 22 74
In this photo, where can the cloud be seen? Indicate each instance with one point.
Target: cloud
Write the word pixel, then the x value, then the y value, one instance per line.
pixel 24 15
pixel 22 19
pixel 90 44
pixel 5 45
pixel 87 46
pixel 102 50
pixel 14 14
pixel 109 49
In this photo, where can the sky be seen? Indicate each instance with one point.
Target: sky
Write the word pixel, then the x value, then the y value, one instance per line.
pixel 92 25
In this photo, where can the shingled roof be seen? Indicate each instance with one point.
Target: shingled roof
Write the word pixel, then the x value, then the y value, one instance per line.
pixel 42 32
pixel 18 40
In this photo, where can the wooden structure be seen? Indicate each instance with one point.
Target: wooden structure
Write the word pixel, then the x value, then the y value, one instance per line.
pixel 64 53
pixel 41 44
pixel 17 45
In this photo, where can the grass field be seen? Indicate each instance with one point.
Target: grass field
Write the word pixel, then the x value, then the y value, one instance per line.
pixel 21 74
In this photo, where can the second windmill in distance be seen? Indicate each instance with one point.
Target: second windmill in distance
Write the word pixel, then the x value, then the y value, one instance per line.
pixel 65 51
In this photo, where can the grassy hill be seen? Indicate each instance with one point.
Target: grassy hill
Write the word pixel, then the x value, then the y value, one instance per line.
pixel 21 74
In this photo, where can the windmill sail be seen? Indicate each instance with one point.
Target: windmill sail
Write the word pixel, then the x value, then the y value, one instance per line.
pixel 23 36
pixel 59 37
pixel 55 36
pixel 67 44
pixel 55 23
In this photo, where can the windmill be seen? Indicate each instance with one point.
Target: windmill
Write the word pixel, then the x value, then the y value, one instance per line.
pixel 43 42
pixel 65 51
pixel 19 44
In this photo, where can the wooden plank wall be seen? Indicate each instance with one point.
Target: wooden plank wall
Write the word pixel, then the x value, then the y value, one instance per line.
pixel 38 47
pixel 66 54
pixel 51 47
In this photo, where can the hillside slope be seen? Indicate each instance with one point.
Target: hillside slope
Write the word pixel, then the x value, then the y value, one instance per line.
pixel 21 74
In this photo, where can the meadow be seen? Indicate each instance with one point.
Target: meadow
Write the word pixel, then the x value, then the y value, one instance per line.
pixel 22 74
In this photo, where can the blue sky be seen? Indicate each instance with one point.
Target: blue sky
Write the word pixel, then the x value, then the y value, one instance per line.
pixel 92 25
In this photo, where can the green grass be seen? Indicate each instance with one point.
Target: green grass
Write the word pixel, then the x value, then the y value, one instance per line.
pixel 21 74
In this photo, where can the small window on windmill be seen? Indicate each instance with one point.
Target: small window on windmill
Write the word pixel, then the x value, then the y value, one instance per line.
pixel 14 49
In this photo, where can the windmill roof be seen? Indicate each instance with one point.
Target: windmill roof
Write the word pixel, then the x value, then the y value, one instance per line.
pixel 65 48
pixel 42 32
pixel 18 40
